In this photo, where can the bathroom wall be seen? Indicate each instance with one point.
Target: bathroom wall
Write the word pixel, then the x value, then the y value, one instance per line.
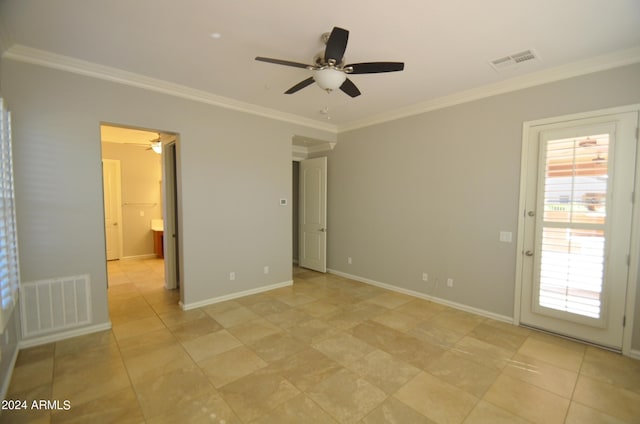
pixel 141 173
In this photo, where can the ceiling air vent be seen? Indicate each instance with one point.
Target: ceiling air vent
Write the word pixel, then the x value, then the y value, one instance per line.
pixel 512 61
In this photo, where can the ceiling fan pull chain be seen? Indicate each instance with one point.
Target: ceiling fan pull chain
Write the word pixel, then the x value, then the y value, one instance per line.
pixel 326 110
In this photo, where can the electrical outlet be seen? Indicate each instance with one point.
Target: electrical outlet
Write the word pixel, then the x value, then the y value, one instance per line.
pixel 232 276
pixel 506 236
pixel 449 282
pixel 266 269
pixel 349 260
pixel 425 276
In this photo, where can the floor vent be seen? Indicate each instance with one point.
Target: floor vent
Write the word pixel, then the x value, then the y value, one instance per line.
pixel 512 61
pixel 49 306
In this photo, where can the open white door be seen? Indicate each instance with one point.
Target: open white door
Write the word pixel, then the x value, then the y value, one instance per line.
pixel 313 214
pixel 112 208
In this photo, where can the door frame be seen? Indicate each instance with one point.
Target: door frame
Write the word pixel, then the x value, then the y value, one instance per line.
pixel 634 248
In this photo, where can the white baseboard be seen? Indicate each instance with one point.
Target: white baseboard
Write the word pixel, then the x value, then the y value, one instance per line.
pixel 425 296
pixel 37 341
pixel 231 296
pixel 7 380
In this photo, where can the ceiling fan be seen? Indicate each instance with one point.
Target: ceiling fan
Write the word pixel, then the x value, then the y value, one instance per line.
pixel 329 70
pixel 154 144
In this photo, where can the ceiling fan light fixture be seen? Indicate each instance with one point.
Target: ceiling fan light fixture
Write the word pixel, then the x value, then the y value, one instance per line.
pixel 329 78
pixel 156 146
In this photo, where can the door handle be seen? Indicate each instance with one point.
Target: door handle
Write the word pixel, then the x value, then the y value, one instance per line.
pixel 322 230
pixel 528 253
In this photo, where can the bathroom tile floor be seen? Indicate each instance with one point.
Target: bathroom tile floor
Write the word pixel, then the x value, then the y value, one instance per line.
pixel 326 350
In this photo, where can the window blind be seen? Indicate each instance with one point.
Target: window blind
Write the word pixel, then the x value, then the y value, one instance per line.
pixel 573 237
pixel 9 271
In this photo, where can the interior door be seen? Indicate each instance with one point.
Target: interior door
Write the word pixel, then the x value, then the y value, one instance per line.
pixel 170 214
pixel 112 207
pixel 577 233
pixel 313 214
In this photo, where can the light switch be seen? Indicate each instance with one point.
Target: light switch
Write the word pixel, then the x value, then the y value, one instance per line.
pixel 506 236
pixel 283 202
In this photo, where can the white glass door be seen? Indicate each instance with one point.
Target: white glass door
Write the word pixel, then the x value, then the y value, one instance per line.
pixel 578 224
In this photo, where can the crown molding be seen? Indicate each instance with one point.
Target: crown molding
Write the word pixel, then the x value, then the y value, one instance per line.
pixel 302 152
pixel 44 58
pixel 584 67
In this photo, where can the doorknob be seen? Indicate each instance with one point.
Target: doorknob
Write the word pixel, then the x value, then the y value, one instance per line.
pixel 531 213
pixel 528 253
pixel 322 230
pixel 115 224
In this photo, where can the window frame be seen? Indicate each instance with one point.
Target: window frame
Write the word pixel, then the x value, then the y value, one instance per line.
pixel 9 264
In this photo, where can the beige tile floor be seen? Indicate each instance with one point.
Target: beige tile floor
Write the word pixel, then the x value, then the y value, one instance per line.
pixel 326 350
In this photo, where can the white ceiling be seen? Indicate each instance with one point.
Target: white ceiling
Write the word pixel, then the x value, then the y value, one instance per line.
pixel 446 45
pixel 114 134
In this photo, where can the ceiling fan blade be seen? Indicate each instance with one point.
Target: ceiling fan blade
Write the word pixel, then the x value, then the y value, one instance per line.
pixel 282 62
pixel 375 67
pixel 299 86
pixel 350 88
pixel 336 44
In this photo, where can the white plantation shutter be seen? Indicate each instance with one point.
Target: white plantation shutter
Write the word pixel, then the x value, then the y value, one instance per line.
pixel 572 259
pixel 9 272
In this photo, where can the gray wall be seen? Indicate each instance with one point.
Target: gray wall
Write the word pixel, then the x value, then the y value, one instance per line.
pixel 430 193
pixel 233 169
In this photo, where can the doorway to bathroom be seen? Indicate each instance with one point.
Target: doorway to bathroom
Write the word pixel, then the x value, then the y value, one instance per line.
pixel 140 206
